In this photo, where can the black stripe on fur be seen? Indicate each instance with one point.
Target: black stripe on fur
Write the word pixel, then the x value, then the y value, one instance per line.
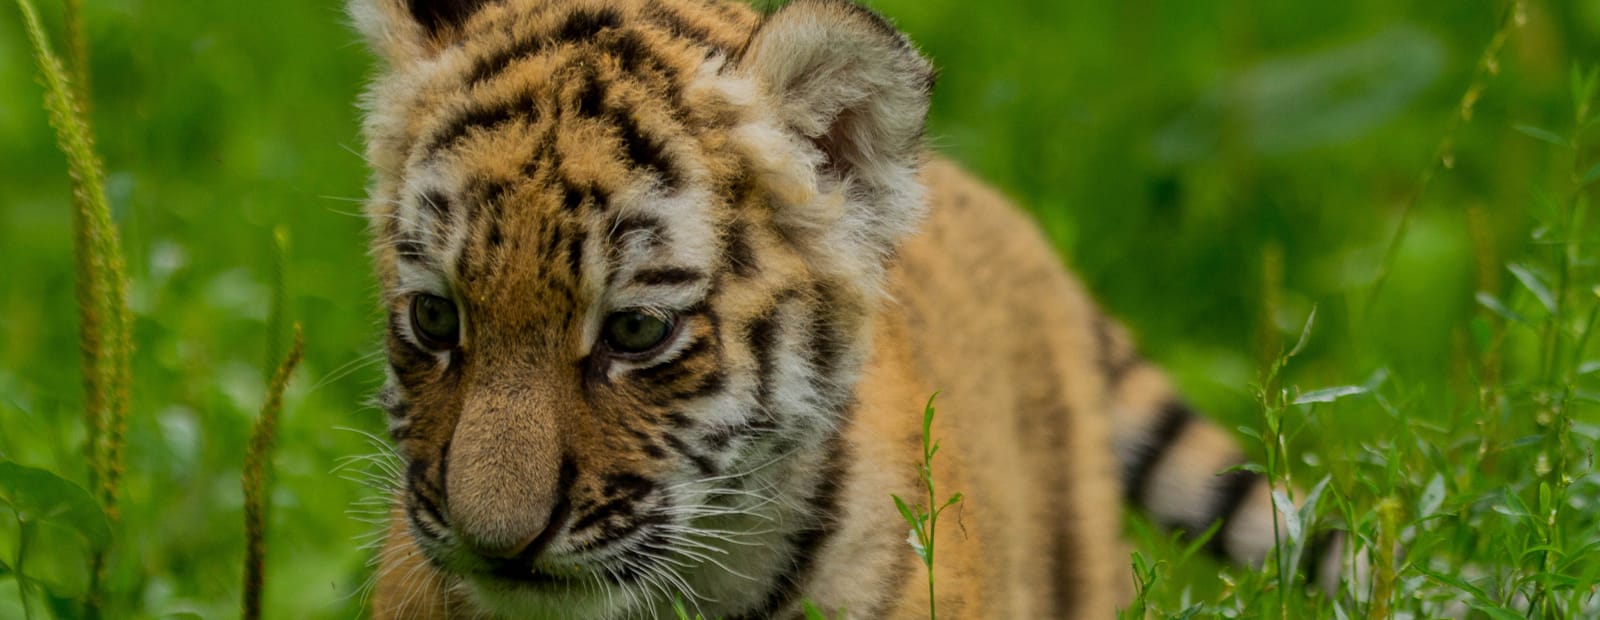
pixel 1172 420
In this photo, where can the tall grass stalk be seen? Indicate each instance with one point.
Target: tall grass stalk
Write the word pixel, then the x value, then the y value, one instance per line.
pixel 1514 16
pixel 101 276
pixel 257 459
pixel 105 324
pixel 1490 393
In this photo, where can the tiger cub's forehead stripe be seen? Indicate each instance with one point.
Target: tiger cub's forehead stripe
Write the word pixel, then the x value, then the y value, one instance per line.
pixel 640 149
pixel 484 118
pixel 652 62
pixel 579 26
pixel 638 47
pixel 589 99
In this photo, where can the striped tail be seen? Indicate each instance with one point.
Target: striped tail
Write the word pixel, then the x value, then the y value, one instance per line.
pixel 1172 463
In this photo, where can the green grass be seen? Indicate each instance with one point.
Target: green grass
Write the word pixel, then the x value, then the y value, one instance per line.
pixel 1212 170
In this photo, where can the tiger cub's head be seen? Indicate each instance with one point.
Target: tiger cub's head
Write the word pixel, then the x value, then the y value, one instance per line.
pixel 629 251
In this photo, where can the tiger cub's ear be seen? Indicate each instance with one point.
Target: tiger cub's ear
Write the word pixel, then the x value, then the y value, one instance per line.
pixel 407 30
pixel 856 89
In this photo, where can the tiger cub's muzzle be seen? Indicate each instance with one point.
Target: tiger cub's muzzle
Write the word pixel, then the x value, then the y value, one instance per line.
pixel 505 485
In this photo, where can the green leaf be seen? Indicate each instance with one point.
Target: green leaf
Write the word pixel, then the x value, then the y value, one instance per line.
pixel 1281 501
pixel 915 540
pixel 1198 542
pixel 1530 552
pixel 811 612
pixel 905 511
pixel 678 610
pixel 1592 175
pixel 39 496
pixel 1553 580
pixel 1142 565
pixel 1432 497
pixel 1543 135
pixel 58 559
pixel 1583 83
pixel 1249 467
pixel 1453 581
pixel 1494 305
pixel 1306 518
pixel 1534 284
pixel 1305 334
pixel 1581 555
pixel 1497 612
pixel 1328 395
pixel 1514 507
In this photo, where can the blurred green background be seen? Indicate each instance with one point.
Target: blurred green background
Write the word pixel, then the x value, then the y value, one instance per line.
pixel 1173 148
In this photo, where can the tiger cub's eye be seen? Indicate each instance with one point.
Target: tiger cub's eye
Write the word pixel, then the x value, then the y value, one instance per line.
pixel 435 322
pixel 632 331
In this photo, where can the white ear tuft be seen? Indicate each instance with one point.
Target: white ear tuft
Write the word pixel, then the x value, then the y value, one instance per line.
pixel 857 90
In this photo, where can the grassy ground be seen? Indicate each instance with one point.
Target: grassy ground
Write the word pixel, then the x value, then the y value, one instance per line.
pixel 1213 170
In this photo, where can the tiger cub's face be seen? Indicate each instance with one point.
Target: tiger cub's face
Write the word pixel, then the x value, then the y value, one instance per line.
pixel 629 252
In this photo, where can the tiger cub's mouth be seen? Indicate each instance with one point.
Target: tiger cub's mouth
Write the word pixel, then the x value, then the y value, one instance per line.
pixel 542 575
pixel 552 564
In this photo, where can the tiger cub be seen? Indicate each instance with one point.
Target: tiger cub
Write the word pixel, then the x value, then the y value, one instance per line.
pixel 668 283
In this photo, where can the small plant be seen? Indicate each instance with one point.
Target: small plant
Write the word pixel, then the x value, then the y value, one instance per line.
pixel 105 324
pixel 924 522
pixel 257 459
pixel 1146 575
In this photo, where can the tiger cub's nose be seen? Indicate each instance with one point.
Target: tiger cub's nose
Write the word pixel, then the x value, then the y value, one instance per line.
pixel 497 551
pixel 503 481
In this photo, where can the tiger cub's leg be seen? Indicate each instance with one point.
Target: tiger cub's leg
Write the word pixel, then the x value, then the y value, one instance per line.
pixel 1172 462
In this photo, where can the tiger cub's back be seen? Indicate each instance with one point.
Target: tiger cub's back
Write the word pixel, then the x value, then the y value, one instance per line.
pixel 992 321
